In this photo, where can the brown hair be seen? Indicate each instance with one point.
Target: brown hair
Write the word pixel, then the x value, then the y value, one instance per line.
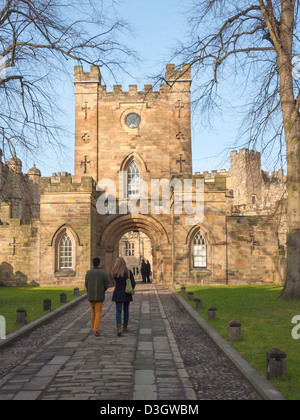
pixel 120 268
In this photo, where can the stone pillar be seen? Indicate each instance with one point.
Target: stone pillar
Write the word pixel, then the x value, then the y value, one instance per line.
pixel 47 305
pixel 21 316
pixel 234 331
pixel 63 298
pixel 190 295
pixel 276 364
pixel 199 304
pixel 212 313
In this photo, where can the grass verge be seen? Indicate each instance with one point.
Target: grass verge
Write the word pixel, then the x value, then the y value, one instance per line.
pixel 31 299
pixel 266 324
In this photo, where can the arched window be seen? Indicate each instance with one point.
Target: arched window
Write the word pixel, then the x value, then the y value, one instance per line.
pixel 133 179
pixel 199 251
pixel 65 253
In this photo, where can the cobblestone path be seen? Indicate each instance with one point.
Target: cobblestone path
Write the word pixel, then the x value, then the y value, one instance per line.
pixel 165 356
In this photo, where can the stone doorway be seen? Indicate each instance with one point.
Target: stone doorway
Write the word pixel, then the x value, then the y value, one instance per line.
pixel 109 244
pixel 134 247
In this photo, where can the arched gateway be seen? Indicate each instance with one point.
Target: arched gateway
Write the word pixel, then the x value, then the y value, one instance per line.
pixel 159 237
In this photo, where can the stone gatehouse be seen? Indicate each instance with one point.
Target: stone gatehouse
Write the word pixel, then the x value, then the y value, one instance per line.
pixel 51 228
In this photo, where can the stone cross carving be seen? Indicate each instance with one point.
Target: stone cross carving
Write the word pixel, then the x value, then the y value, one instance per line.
pixel 179 106
pixel 180 136
pixel 85 108
pixel 84 163
pixel 85 137
pixel 180 161
pixel 14 244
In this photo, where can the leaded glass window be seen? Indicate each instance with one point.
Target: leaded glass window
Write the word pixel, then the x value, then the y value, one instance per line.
pixel 65 253
pixel 129 249
pixel 133 180
pixel 200 251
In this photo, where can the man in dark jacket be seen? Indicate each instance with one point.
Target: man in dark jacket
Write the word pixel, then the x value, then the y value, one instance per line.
pixel 143 271
pixel 96 284
pixel 148 271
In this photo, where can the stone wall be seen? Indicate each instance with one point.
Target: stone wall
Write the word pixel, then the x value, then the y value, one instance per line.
pixel 66 206
pixel 18 250
pixel 253 253
pixel 213 228
pixel 20 190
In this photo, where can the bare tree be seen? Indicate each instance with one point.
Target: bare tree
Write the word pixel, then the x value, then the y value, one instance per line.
pixel 38 40
pixel 253 44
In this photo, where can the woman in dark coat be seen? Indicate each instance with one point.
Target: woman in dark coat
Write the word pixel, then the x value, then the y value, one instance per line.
pixel 121 273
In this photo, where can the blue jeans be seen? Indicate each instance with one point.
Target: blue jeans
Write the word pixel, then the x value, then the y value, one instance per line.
pixel 119 307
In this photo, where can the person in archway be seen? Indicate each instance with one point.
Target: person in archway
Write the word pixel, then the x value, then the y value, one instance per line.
pixel 96 284
pixel 143 271
pixel 121 273
pixel 148 271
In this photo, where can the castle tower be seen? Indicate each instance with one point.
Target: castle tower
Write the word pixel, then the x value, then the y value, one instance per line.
pixel 86 121
pixel 113 129
pixel 246 177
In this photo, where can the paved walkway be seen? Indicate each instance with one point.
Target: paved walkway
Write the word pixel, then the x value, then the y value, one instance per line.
pixel 145 364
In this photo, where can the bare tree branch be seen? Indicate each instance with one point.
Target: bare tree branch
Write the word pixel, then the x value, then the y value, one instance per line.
pixel 37 40
pixel 250 46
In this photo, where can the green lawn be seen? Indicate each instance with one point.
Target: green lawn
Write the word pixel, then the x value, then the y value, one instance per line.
pixel 266 324
pixel 31 299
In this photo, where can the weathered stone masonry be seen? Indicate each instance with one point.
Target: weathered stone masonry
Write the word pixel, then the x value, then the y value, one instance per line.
pixel 50 228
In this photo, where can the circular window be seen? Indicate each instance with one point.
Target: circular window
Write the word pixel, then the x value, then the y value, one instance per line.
pixel 132 120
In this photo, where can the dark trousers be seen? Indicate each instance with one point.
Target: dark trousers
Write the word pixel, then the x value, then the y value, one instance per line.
pixel 148 277
pixel 119 307
pixel 144 277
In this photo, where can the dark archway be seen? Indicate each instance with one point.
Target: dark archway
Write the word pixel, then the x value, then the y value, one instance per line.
pixel 161 246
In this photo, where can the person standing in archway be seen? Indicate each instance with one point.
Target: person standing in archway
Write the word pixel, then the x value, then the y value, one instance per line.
pixel 121 273
pixel 148 271
pixel 143 271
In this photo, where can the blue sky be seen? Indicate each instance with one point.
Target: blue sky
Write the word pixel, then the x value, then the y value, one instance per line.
pixel 157 26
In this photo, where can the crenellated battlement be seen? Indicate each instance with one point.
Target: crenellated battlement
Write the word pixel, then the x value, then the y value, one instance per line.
pixel 7 221
pixel 20 190
pixel 59 183
pixel 93 76
pixel 275 176
pixel 212 174
pixel 244 152
pixel 173 76
pixel 131 91
pixel 56 177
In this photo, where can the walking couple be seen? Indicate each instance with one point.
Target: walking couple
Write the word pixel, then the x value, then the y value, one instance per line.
pixel 96 284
